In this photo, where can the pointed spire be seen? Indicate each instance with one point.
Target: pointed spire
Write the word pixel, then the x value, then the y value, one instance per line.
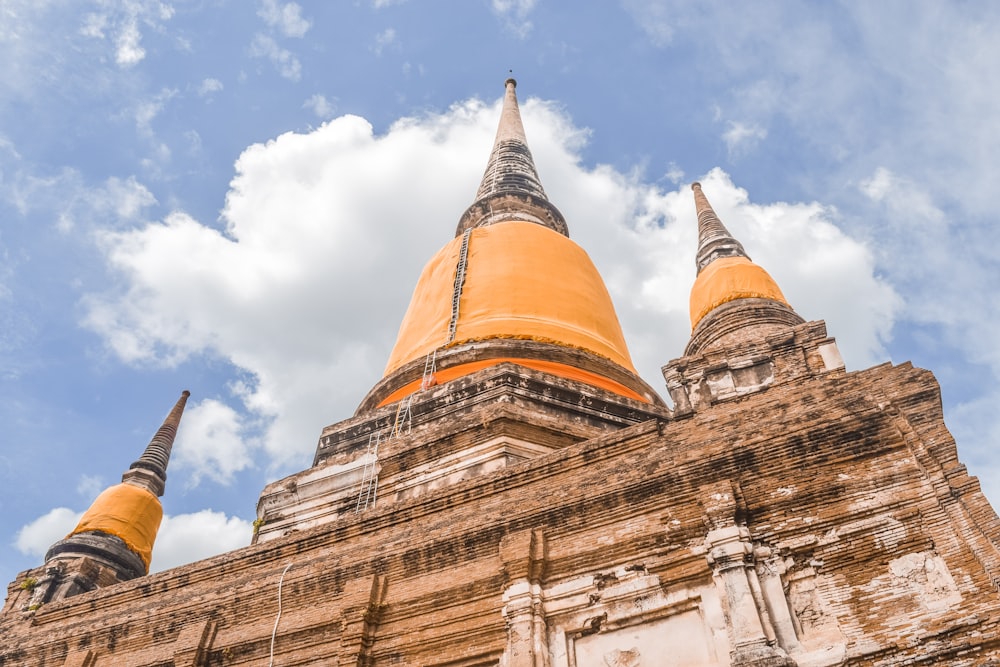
pixel 733 300
pixel 714 240
pixel 510 168
pixel 149 471
pixel 114 539
pixel 511 189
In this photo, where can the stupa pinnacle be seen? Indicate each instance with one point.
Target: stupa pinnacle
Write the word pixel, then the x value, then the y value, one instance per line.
pixel 511 287
pixel 113 541
pixel 149 471
pixel 714 240
pixel 732 298
pixel 511 189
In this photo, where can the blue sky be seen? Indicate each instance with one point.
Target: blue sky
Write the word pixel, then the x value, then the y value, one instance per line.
pixel 236 198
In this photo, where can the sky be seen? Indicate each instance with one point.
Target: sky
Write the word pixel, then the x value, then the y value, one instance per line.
pixel 236 197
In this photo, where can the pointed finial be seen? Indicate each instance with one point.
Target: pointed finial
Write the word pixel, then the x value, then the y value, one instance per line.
pixel 714 240
pixel 149 471
pixel 511 189
pixel 732 298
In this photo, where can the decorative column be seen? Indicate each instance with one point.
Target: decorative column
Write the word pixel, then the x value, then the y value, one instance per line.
pixel 364 602
pixel 523 557
pixel 731 555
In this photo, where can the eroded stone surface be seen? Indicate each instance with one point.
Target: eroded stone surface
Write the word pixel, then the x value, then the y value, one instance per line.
pixel 821 519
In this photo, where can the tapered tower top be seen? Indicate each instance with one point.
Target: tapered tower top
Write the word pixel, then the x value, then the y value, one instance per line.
pixel 511 189
pixel 149 471
pixel 714 240
pixel 119 528
pixel 510 287
pixel 732 298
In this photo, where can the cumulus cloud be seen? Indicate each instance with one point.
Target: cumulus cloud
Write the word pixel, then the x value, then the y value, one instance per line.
pixel 128 50
pixel 146 111
pixel 35 538
pixel 211 443
pixel 121 24
pixel 117 201
pixel 656 19
pixel 69 200
pixel 181 539
pixel 126 198
pixel 209 86
pixel 264 46
pixel 920 228
pixel 94 25
pixel 322 107
pixel 285 17
pixel 90 485
pixel 514 14
pixel 741 138
pixel 384 40
pixel 185 538
pixel 674 173
pixel 326 232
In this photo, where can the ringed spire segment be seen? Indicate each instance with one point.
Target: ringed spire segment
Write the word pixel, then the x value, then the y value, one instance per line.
pixel 150 470
pixel 714 240
pixel 510 189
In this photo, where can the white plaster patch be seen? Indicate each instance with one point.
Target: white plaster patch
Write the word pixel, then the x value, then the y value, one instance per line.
pixel 928 577
pixel 831 356
pixel 680 639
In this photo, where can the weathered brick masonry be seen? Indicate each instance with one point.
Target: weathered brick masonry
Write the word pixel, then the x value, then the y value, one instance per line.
pixel 784 512
pixel 847 483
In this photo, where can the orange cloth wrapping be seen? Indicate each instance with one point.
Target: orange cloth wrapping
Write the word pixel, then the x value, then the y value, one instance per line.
pixel 728 279
pixel 522 280
pixel 562 370
pixel 128 512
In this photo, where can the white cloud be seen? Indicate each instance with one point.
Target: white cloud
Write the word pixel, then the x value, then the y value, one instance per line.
pixel 656 19
pixel 674 173
pixel 379 4
pixel 741 138
pixel 322 107
pixel 185 538
pixel 326 233
pixel 385 39
pixel 94 25
pixel 515 15
pixel 181 539
pixel 946 288
pixel 211 443
pixel 146 111
pixel 209 86
pixel 284 60
pixel 122 23
pixel 69 201
pixel 194 142
pixel 126 198
pixel 286 17
pixel 128 50
pixel 90 485
pixel 35 538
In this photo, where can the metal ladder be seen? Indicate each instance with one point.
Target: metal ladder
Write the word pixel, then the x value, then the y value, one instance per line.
pixel 369 476
pixel 456 295
pixel 402 420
